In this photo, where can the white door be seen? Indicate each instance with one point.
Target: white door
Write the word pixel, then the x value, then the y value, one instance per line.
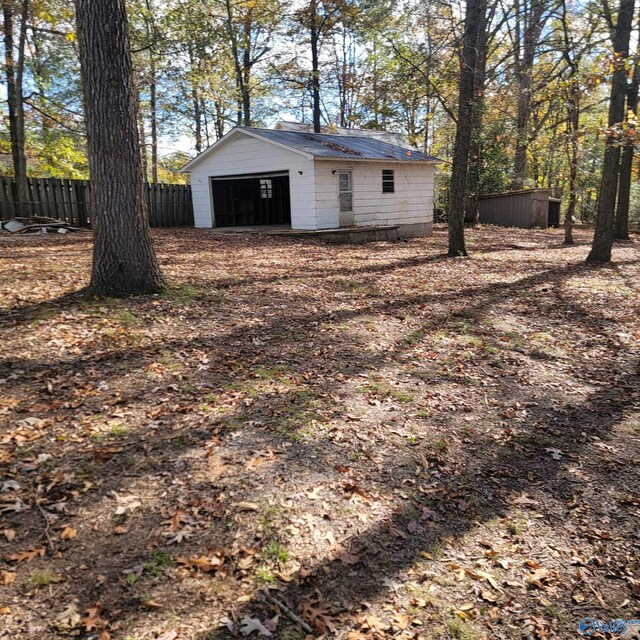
pixel 345 196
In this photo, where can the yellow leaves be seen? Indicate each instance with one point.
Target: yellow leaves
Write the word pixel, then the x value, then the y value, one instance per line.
pixel 7 577
pixel 489 596
pixel 25 556
pixel 247 506
pixel 68 533
pixel 466 611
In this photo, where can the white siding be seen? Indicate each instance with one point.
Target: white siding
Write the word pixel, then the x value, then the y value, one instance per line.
pixel 412 202
pixel 245 154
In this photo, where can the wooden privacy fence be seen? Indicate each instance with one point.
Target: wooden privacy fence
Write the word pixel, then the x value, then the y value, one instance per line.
pixel 169 204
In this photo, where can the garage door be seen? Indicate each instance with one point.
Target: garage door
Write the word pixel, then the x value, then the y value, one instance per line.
pixel 251 200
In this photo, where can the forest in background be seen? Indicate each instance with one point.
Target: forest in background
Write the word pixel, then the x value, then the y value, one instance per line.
pixel 204 66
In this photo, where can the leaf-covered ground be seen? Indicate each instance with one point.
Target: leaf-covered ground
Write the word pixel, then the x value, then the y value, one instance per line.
pixel 301 439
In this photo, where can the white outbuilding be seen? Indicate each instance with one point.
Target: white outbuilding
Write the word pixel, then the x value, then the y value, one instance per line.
pixel 312 181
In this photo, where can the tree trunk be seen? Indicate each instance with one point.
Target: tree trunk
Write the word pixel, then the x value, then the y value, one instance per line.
pixel 603 235
pixel 475 150
pixel 244 115
pixel 529 24
pixel 153 113
pixel 315 65
pixel 474 19
pixel 246 82
pixel 14 73
pixel 142 133
pixel 124 262
pixel 573 123
pixel 621 226
pixel 197 105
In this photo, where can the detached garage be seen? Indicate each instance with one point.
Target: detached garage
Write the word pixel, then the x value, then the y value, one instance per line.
pixel 311 181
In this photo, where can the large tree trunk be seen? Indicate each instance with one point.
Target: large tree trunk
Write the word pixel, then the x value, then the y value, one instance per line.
pixel 124 261
pixel 474 20
pixel 603 235
pixel 476 159
pixel 14 73
pixel 621 226
pixel 529 24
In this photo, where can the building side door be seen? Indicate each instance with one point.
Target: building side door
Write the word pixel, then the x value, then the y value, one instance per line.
pixel 345 198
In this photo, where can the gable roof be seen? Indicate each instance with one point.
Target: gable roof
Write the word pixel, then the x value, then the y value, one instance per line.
pixel 323 145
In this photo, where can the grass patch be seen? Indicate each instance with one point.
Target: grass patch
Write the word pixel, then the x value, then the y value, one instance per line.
pixel 158 563
pixel 42 578
pixel 275 551
pixel 183 294
pixel 264 575
pixel 386 390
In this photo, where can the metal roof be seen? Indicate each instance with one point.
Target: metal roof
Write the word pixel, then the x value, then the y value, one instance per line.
pixel 323 145
pixel 392 137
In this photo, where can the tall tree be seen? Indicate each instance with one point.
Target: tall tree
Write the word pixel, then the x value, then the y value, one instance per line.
pixel 124 262
pixel 14 70
pixel 475 19
pixel 603 235
pixel 530 18
pixel 621 225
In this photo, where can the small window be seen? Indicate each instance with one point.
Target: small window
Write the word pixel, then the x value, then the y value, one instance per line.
pixel 388 181
pixel 266 189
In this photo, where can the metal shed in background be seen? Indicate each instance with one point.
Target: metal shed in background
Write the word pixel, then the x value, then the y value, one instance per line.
pixel 527 208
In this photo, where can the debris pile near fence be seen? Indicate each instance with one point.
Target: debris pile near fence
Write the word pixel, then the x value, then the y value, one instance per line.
pixel 68 201
pixel 37 224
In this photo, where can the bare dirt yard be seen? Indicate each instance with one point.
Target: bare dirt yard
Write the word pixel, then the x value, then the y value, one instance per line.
pixel 301 439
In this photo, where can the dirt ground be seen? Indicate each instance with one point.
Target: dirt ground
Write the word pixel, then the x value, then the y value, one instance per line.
pixel 301 439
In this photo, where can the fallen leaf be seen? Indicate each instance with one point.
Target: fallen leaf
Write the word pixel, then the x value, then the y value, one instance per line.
pixel 347 558
pixel 177 520
pixel 69 533
pixel 212 562
pixel 25 556
pixel 93 620
pixel 247 506
pixel 69 618
pixel 7 577
pixel 9 534
pixel 314 494
pixel 249 625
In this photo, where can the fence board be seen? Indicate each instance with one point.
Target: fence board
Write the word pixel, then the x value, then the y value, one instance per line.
pixel 170 205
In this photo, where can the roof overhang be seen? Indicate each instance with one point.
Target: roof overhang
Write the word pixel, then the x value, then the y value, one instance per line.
pixel 433 161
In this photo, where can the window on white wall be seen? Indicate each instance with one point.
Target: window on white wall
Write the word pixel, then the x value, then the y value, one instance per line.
pixel 266 189
pixel 388 181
